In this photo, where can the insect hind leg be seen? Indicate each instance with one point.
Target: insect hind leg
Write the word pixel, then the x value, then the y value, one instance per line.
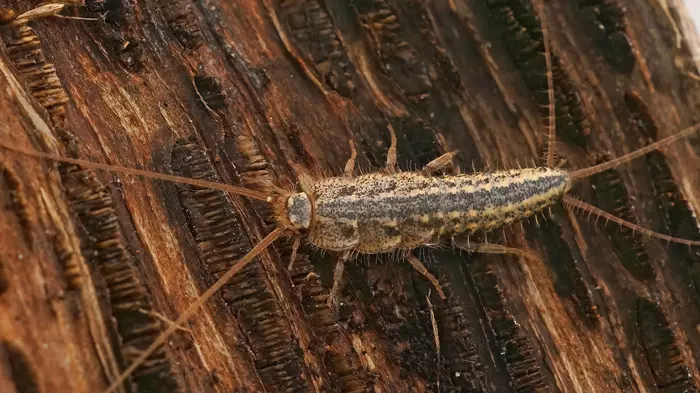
pixel 420 268
pixel 490 248
pixel 337 279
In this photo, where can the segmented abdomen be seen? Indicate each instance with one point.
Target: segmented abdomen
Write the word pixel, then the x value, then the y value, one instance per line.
pixel 380 212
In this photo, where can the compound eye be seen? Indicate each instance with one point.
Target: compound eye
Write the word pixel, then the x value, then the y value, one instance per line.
pixel 299 210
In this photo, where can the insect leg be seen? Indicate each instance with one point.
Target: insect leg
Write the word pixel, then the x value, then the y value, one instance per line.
pixel 438 163
pixel 420 267
pixel 489 248
pixel 436 337
pixel 350 165
pixel 337 278
pixel 295 248
pixel 391 154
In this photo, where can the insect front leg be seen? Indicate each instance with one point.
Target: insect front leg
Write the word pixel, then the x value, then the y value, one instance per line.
pixel 420 267
pixel 391 154
pixel 350 165
pixel 337 278
pixel 295 249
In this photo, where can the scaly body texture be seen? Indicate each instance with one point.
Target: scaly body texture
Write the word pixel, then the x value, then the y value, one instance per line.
pixel 381 212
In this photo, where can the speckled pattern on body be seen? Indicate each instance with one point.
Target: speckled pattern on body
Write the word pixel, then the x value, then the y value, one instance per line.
pixel 381 212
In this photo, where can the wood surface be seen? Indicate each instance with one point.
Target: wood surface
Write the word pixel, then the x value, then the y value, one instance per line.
pixel 259 92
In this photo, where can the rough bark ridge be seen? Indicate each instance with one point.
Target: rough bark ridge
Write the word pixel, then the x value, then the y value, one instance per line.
pixel 257 92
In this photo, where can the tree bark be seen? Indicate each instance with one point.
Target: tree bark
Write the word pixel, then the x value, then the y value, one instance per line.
pixel 93 264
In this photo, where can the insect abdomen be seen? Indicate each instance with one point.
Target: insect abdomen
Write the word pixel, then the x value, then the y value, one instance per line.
pixel 379 212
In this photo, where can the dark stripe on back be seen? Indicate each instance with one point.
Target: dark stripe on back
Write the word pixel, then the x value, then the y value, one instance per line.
pixel 406 201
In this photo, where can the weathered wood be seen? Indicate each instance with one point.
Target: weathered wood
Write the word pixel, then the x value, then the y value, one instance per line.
pixel 258 92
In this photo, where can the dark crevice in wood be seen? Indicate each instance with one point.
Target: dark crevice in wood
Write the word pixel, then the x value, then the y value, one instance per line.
pixel 338 356
pixel 182 22
pixel 129 303
pixel 612 196
pixel 4 280
pixel 314 32
pixel 511 344
pixel 417 143
pixel 677 218
pixel 222 240
pixel 101 236
pixel 460 353
pixel 521 30
pixel 399 59
pixel 21 371
pixel 13 199
pixel 568 269
pixel 210 92
pixel 404 321
pixel 663 355
pixel 114 11
pixel 605 22
pixel 129 52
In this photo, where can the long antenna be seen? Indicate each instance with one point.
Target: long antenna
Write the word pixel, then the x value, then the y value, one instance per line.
pixel 137 172
pixel 586 172
pixel 570 201
pixel 223 280
pixel 552 134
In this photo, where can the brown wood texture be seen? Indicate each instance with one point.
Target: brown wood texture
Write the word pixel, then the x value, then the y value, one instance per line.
pixel 258 92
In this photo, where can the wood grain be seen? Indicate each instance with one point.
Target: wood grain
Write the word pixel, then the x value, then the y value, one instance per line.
pixel 261 92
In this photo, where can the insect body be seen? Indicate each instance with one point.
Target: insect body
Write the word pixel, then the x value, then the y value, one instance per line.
pixel 379 212
pixel 386 211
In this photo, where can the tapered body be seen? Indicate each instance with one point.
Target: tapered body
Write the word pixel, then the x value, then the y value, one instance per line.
pixel 381 212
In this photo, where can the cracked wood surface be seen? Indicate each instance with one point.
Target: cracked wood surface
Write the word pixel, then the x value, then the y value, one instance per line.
pixel 261 92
